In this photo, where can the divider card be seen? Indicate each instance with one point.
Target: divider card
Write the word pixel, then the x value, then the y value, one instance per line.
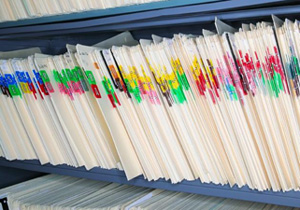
pixel 22 53
pixel 24 112
pixel 60 99
pixel 119 40
pixel 42 94
pixel 128 157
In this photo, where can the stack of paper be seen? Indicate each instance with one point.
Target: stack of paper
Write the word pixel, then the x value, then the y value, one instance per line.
pixel 221 108
pixel 22 9
pixel 59 192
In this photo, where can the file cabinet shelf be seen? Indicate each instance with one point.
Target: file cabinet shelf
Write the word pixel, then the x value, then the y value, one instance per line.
pixel 290 198
pixel 52 33
pixel 165 19
pixel 152 15
pixel 103 12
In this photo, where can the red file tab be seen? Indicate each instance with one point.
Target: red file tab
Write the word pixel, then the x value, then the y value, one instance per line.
pixel 46 81
pixel 92 82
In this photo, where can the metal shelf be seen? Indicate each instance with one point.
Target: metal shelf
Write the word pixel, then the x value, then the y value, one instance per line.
pixel 174 14
pixel 290 198
pixel 102 12
pixel 52 33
